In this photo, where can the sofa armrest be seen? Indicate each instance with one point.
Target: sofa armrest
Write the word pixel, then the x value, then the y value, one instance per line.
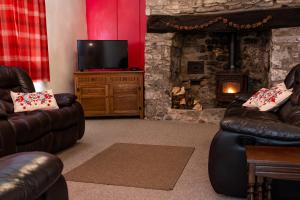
pixel 65 99
pixel 28 175
pixel 261 128
pixel 242 97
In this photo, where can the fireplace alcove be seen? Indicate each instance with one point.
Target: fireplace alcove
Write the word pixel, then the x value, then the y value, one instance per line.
pixel 199 61
pixel 177 56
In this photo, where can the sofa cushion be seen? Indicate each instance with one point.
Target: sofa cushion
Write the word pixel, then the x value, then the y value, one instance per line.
pixel 29 126
pixel 257 99
pixel 3 114
pixel 6 106
pixel 268 99
pixel 33 101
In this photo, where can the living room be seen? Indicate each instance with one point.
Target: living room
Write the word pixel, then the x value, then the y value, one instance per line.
pixel 149 99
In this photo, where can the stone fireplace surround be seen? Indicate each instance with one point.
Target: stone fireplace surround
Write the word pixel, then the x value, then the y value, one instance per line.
pixel 266 56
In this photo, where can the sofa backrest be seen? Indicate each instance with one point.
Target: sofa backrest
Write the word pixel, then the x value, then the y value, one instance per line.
pixel 13 79
pixel 292 80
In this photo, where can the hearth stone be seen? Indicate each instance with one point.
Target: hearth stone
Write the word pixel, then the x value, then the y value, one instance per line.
pixel 209 115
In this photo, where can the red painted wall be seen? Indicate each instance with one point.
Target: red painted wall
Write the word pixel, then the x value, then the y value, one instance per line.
pixel 119 20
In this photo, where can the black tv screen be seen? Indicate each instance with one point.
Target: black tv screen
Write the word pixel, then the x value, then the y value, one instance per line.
pixel 102 54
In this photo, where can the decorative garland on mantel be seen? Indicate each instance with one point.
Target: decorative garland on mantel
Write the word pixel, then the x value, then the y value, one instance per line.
pixel 224 20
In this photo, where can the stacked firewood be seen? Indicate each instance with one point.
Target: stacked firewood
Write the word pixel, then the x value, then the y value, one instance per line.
pixel 182 99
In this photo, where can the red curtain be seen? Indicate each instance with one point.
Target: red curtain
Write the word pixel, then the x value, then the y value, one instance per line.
pixel 23 37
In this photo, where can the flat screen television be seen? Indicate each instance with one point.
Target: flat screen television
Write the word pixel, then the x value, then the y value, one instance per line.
pixel 102 54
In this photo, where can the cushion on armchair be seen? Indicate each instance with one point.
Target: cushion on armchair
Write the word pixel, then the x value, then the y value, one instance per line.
pixel 268 99
pixel 65 99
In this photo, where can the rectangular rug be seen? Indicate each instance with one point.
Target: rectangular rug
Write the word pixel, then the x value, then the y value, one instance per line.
pixel 134 165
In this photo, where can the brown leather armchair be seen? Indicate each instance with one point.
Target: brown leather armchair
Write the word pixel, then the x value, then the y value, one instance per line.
pixel 41 130
pixel 243 126
pixel 32 176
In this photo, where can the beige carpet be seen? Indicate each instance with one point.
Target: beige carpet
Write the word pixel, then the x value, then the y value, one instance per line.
pixel 193 184
pixel 134 165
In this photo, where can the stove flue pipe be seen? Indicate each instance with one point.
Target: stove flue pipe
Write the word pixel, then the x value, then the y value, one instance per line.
pixel 232 51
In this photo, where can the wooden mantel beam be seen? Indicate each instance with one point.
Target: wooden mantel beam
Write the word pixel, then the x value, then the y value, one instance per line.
pixel 281 18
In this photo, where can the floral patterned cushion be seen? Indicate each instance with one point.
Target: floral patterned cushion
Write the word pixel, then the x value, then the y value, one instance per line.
pixel 268 99
pixel 33 101
pixel 257 99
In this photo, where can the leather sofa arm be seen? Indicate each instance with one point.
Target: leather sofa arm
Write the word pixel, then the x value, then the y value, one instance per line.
pixel 242 97
pixel 65 99
pixel 261 128
pixel 7 139
pixel 28 175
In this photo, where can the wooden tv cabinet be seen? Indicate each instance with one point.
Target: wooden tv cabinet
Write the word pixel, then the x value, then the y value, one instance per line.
pixel 110 93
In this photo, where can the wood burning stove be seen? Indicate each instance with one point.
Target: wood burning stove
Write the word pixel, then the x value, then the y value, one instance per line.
pixel 230 82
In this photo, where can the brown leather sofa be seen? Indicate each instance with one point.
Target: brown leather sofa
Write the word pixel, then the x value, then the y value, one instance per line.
pixel 32 176
pixel 242 126
pixel 41 130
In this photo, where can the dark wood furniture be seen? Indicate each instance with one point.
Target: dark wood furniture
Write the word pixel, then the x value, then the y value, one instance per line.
pixel 266 163
pixel 110 93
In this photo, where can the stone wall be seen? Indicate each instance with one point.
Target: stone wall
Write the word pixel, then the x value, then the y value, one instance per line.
pixel 266 56
pixel 181 7
pixel 211 49
pixel 285 49
pixel 158 74
pixel 254 57
pixel 167 57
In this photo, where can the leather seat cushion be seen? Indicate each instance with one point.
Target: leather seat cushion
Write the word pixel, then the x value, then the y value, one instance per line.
pixel 63 117
pixel 28 175
pixel 29 126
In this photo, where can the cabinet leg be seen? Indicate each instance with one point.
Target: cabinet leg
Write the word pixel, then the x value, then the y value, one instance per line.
pixel 268 188
pixel 260 181
pixel 251 181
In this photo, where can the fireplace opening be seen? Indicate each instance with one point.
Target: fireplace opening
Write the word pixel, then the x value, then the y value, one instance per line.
pixel 188 48
pixel 231 87
pixel 230 83
pixel 214 67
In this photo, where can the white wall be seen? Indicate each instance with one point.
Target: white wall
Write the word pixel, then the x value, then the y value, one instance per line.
pixel 66 23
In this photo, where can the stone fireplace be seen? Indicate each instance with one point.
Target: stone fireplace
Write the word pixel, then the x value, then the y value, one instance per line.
pixel 194 59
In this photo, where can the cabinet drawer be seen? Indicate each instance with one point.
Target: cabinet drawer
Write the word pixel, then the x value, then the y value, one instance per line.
pixel 94 92
pixel 91 80
pixel 124 79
